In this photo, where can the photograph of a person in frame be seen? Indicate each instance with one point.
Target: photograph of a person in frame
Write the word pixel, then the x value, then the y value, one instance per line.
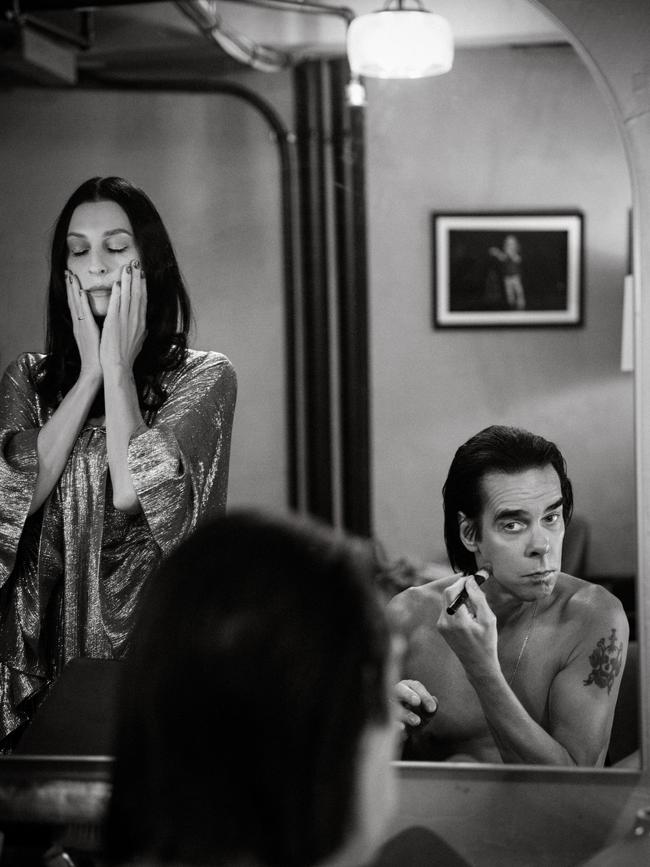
pixel 509 258
pixel 500 270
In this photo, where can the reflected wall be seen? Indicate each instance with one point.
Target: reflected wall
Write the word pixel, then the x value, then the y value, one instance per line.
pixel 509 129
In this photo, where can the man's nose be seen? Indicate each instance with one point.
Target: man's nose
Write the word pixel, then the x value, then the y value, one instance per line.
pixel 539 544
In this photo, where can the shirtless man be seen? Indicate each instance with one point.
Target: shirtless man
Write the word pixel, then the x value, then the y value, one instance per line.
pixel 528 670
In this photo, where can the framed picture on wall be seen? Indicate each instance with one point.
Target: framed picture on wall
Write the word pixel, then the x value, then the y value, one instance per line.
pixel 507 269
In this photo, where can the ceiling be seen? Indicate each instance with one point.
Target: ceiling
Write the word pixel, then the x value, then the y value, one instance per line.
pixel 49 44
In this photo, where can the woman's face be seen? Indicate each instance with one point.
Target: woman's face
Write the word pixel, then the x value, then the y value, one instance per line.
pixel 100 242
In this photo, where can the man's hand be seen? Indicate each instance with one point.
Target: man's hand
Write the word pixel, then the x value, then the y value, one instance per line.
pixel 472 631
pixel 410 695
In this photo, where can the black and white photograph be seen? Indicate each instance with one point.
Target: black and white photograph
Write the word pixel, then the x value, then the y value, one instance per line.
pixel 507 269
pixel 324 433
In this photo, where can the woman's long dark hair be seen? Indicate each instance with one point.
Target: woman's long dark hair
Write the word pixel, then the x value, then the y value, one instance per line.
pixel 168 305
pixel 259 661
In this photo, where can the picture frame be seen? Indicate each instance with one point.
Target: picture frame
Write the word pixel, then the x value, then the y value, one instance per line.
pixel 505 269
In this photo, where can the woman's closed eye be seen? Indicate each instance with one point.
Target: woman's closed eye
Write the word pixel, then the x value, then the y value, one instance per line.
pixel 115 250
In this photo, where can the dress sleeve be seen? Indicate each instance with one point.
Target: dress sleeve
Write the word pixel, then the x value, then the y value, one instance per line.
pixel 19 426
pixel 179 465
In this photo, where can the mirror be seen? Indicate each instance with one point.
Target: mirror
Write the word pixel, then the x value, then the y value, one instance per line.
pixel 571 360
pixel 512 130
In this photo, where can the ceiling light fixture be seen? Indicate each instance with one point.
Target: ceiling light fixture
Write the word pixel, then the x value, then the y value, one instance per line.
pixel 400 42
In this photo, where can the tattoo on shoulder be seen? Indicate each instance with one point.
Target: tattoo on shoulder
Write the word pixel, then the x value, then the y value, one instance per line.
pixel 605 661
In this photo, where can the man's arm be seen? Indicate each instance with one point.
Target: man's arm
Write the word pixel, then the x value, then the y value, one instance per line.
pixel 582 697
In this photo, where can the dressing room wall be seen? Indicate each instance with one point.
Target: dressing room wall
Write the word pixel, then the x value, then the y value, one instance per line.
pixel 509 129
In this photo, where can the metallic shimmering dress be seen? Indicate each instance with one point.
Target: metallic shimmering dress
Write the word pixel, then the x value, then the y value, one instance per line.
pixel 72 573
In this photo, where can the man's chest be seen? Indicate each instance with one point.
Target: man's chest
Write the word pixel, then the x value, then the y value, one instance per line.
pixel 527 662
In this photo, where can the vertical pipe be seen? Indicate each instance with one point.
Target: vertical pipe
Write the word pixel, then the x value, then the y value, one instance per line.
pixel 313 222
pixel 351 243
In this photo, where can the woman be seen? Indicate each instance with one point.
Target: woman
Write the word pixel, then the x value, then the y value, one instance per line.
pixel 114 445
pixel 255 725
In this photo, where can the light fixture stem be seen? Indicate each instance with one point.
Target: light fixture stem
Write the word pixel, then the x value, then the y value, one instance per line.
pixel 298 6
pixel 401 7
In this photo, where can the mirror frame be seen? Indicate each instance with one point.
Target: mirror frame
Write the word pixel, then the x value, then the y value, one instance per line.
pixel 492 815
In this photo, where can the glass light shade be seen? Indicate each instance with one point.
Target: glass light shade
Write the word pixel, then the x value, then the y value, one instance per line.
pixel 400 43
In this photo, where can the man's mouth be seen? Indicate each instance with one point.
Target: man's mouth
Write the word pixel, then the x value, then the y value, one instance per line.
pixel 544 573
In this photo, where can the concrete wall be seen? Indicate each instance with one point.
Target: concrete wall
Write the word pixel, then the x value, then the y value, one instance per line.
pixel 211 167
pixel 508 129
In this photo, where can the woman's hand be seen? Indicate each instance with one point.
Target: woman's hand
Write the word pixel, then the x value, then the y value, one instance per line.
pixel 472 631
pixel 125 325
pixel 415 704
pixel 84 328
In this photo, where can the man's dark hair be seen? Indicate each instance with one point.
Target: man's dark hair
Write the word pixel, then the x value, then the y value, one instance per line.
pixel 259 661
pixel 496 449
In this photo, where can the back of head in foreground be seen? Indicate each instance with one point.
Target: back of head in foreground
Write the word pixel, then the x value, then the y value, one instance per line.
pixel 250 700
pixel 495 449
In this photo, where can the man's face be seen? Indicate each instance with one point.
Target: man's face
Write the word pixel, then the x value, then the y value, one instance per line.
pixel 521 530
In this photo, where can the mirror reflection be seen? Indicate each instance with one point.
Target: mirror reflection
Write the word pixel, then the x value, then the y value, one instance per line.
pixel 510 129
pixel 215 210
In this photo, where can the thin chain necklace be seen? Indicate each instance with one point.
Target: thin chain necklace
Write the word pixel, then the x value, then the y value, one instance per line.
pixel 523 646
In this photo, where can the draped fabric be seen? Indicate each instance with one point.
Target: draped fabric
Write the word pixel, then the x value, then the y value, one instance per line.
pixel 71 574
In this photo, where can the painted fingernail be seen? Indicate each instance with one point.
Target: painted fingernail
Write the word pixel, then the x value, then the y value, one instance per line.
pixel 128 269
pixel 142 273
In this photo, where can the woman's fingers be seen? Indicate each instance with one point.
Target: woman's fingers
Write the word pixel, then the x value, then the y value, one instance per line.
pixel 77 298
pixel 133 300
pixel 124 329
pixel 142 311
pixel 85 313
pixel 73 297
pixel 125 298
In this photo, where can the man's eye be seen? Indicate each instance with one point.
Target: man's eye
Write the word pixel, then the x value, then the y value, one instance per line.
pixel 513 526
pixel 553 519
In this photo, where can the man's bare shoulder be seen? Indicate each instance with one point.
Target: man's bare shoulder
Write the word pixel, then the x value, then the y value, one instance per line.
pixel 585 603
pixel 420 603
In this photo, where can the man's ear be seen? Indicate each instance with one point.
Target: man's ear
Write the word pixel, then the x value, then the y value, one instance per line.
pixel 468 532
